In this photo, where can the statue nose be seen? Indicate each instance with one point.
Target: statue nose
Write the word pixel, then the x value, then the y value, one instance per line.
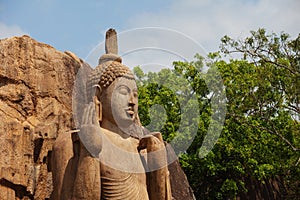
pixel 131 100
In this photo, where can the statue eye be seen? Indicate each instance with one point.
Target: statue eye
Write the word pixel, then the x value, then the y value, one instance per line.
pixel 123 90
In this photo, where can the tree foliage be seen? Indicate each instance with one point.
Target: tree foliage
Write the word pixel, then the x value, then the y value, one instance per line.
pixel 258 152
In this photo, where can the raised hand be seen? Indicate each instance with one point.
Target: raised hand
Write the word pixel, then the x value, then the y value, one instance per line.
pixel 151 142
pixel 90 131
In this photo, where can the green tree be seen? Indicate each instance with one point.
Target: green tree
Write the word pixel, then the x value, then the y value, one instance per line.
pixel 268 95
pixel 168 104
pixel 258 150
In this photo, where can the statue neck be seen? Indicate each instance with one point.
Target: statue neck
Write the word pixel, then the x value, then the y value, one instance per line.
pixel 106 124
pixel 133 130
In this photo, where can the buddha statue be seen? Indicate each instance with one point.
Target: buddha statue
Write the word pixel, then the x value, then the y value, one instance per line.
pixel 111 156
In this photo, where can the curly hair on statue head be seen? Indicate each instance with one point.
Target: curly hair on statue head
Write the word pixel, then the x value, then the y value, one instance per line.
pixel 103 75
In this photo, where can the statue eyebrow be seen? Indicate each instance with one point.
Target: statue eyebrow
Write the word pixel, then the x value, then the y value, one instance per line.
pixel 125 86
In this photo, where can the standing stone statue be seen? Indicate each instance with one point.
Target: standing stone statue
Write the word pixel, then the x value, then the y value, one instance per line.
pixel 112 156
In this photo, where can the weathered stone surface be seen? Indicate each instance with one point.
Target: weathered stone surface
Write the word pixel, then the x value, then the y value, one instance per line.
pixel 36 84
pixel 35 106
pixel 179 183
pixel 111 131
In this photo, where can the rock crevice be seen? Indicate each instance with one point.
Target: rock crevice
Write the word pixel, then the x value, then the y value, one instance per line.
pixel 35 107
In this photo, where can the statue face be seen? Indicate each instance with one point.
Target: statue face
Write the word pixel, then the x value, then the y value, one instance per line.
pixel 120 102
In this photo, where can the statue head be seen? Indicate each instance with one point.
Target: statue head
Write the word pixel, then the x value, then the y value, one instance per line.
pixel 112 87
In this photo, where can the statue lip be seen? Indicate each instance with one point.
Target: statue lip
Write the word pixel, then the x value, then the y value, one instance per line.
pixel 130 111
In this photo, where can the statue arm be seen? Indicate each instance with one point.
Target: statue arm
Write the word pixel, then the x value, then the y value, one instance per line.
pixel 158 181
pixel 62 161
pixel 87 183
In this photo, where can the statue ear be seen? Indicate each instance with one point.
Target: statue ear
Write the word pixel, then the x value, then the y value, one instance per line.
pixel 98 106
pixel 98 103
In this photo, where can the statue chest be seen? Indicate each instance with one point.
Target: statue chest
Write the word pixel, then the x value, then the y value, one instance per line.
pixel 121 169
pixel 117 184
pixel 121 154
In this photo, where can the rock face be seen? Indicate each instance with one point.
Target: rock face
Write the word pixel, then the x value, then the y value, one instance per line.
pixel 36 83
pixel 35 106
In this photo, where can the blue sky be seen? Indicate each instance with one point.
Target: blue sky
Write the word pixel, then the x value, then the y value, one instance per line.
pixel 73 25
pixel 79 26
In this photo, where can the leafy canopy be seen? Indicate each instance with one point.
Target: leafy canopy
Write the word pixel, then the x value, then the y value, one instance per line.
pixel 260 140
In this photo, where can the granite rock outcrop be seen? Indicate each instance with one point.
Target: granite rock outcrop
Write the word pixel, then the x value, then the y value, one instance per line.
pixel 35 106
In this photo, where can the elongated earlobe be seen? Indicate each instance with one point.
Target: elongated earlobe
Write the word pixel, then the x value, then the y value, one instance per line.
pixel 98 103
pixel 98 106
pixel 100 112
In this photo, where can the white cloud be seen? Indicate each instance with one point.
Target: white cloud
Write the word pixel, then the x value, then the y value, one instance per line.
pixel 208 21
pixel 9 31
pixel 150 47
